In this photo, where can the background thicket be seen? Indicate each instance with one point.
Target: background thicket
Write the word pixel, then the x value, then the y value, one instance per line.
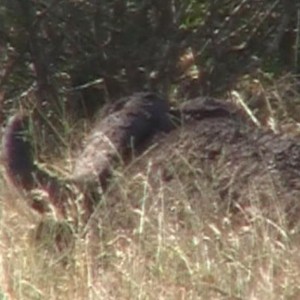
pixel 83 53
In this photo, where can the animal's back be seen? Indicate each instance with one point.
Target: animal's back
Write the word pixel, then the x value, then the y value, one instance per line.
pixel 212 143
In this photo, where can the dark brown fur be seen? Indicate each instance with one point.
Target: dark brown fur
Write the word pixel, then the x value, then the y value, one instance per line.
pixel 211 136
pixel 128 123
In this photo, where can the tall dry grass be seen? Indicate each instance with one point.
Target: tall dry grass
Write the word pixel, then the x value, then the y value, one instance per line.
pixel 154 248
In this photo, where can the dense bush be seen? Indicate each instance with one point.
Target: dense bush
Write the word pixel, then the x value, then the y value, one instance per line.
pixel 106 49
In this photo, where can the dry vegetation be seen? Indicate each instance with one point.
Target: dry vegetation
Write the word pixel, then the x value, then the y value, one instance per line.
pixel 157 244
pixel 145 242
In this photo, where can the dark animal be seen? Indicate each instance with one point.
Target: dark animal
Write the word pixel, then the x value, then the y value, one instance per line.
pixel 20 166
pixel 128 124
pixel 211 136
